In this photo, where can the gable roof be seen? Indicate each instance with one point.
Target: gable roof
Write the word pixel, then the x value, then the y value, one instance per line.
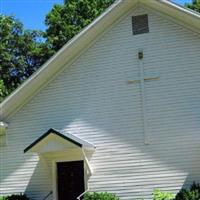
pixel 76 45
pixel 65 136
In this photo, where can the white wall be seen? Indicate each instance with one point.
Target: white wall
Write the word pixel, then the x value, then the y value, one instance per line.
pixel 92 100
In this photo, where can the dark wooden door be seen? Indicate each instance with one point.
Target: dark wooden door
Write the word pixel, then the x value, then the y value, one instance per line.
pixel 70 180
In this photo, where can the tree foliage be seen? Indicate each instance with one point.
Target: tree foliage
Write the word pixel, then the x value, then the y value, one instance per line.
pixel 65 21
pixel 160 195
pixel 195 5
pixel 3 91
pixel 193 193
pixel 100 196
pixel 21 53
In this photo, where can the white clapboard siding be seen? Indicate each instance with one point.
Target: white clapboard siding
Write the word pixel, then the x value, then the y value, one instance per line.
pixel 91 99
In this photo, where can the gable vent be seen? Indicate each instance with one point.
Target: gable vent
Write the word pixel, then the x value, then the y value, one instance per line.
pixel 140 24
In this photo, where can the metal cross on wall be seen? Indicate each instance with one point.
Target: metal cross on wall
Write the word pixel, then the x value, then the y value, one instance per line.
pixel 142 80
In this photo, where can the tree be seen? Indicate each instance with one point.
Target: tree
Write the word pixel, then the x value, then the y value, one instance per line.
pixel 65 21
pixel 21 53
pixel 195 5
pixel 3 91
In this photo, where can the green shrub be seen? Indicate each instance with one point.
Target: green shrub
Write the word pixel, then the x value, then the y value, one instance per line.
pixel 100 196
pixel 159 195
pixel 15 197
pixel 189 194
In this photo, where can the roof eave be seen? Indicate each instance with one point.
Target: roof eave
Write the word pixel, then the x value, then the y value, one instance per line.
pixel 185 16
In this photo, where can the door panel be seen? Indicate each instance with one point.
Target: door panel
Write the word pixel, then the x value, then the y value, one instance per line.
pixel 70 180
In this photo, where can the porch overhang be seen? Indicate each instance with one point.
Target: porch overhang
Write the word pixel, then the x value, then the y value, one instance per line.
pixel 53 141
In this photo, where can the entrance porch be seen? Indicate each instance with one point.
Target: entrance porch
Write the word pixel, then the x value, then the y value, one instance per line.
pixel 66 160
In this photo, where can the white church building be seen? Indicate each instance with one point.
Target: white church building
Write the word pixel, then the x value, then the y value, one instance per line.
pixel 117 109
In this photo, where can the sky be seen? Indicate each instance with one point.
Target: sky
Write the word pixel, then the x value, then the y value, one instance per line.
pixel 32 12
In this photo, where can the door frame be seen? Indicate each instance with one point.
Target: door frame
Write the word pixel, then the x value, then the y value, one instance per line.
pixel 55 175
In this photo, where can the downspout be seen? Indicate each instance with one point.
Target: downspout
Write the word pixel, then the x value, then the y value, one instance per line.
pixel 89 170
pixel 86 161
pixel 79 197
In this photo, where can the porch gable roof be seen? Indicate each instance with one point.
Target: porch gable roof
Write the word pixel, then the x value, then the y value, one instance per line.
pixel 74 140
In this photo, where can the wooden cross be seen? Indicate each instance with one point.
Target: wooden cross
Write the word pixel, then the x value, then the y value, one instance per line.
pixel 142 80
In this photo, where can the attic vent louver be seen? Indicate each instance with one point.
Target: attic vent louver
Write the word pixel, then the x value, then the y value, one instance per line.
pixel 140 24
